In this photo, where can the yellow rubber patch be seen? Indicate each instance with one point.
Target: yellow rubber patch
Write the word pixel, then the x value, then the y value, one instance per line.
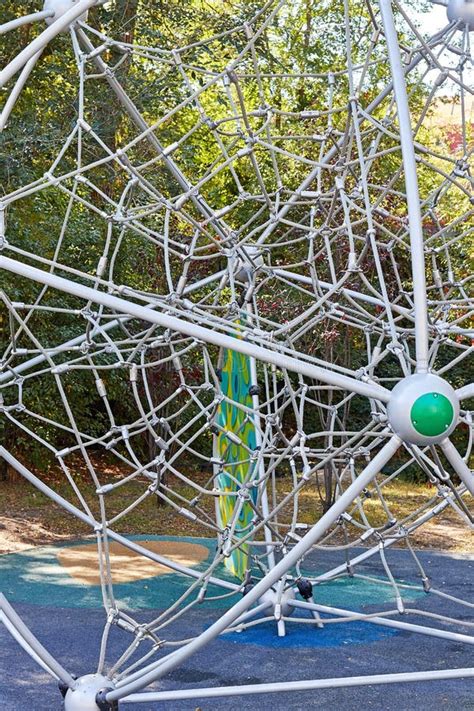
pixel 81 562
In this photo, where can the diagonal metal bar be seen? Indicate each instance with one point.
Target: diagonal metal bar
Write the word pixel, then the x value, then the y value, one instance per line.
pixel 282 567
pixel 25 20
pixel 30 644
pixel 458 464
pixel 386 622
pixel 11 373
pixel 16 91
pixel 466 392
pixel 295 364
pixel 40 42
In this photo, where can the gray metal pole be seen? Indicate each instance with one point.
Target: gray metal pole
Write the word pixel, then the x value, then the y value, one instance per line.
pixel 198 332
pixel 459 465
pixel 45 489
pixel 411 185
pixel 32 362
pixel 40 42
pixel 288 686
pixel 16 91
pixel 466 392
pixel 25 20
pixel 31 641
pixel 387 622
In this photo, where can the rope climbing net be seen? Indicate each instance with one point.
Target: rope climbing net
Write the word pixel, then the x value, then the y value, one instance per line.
pixel 276 281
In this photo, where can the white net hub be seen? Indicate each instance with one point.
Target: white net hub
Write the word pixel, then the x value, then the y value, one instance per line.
pixel 83 696
pixel 57 8
pixel 423 409
pixel 461 10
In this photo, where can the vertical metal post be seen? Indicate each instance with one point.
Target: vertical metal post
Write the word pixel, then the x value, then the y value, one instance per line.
pixel 258 440
pixel 411 186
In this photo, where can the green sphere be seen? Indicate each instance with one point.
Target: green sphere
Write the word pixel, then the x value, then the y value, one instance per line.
pixel 431 414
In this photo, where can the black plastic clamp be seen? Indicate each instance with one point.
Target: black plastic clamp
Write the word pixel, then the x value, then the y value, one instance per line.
pixel 102 702
pixel 305 588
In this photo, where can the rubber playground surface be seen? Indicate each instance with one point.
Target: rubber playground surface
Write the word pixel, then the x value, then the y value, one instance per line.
pixel 55 590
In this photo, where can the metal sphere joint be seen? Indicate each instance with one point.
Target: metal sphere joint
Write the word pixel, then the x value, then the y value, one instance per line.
pixel 423 409
pixel 461 10
pixel 60 7
pixel 83 696
pixel 272 599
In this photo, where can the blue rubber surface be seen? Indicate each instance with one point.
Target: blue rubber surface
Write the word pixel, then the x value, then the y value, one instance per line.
pixel 68 619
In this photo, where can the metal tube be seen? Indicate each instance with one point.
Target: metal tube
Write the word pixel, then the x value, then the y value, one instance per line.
pixel 45 489
pixel 32 642
pixel 16 91
pixel 386 622
pixel 466 392
pixel 279 687
pixel 459 465
pixel 282 567
pixel 411 186
pixel 258 442
pixel 32 362
pixel 25 20
pixel 24 644
pixel 207 335
pixel 40 42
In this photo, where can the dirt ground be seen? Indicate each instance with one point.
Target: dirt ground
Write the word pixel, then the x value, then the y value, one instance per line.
pixel 28 519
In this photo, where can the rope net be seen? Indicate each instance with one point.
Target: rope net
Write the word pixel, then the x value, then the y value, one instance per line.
pixel 265 202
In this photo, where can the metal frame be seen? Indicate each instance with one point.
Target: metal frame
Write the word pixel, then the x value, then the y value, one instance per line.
pixel 263 342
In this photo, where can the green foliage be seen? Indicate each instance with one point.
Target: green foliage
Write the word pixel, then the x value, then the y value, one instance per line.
pixel 45 115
